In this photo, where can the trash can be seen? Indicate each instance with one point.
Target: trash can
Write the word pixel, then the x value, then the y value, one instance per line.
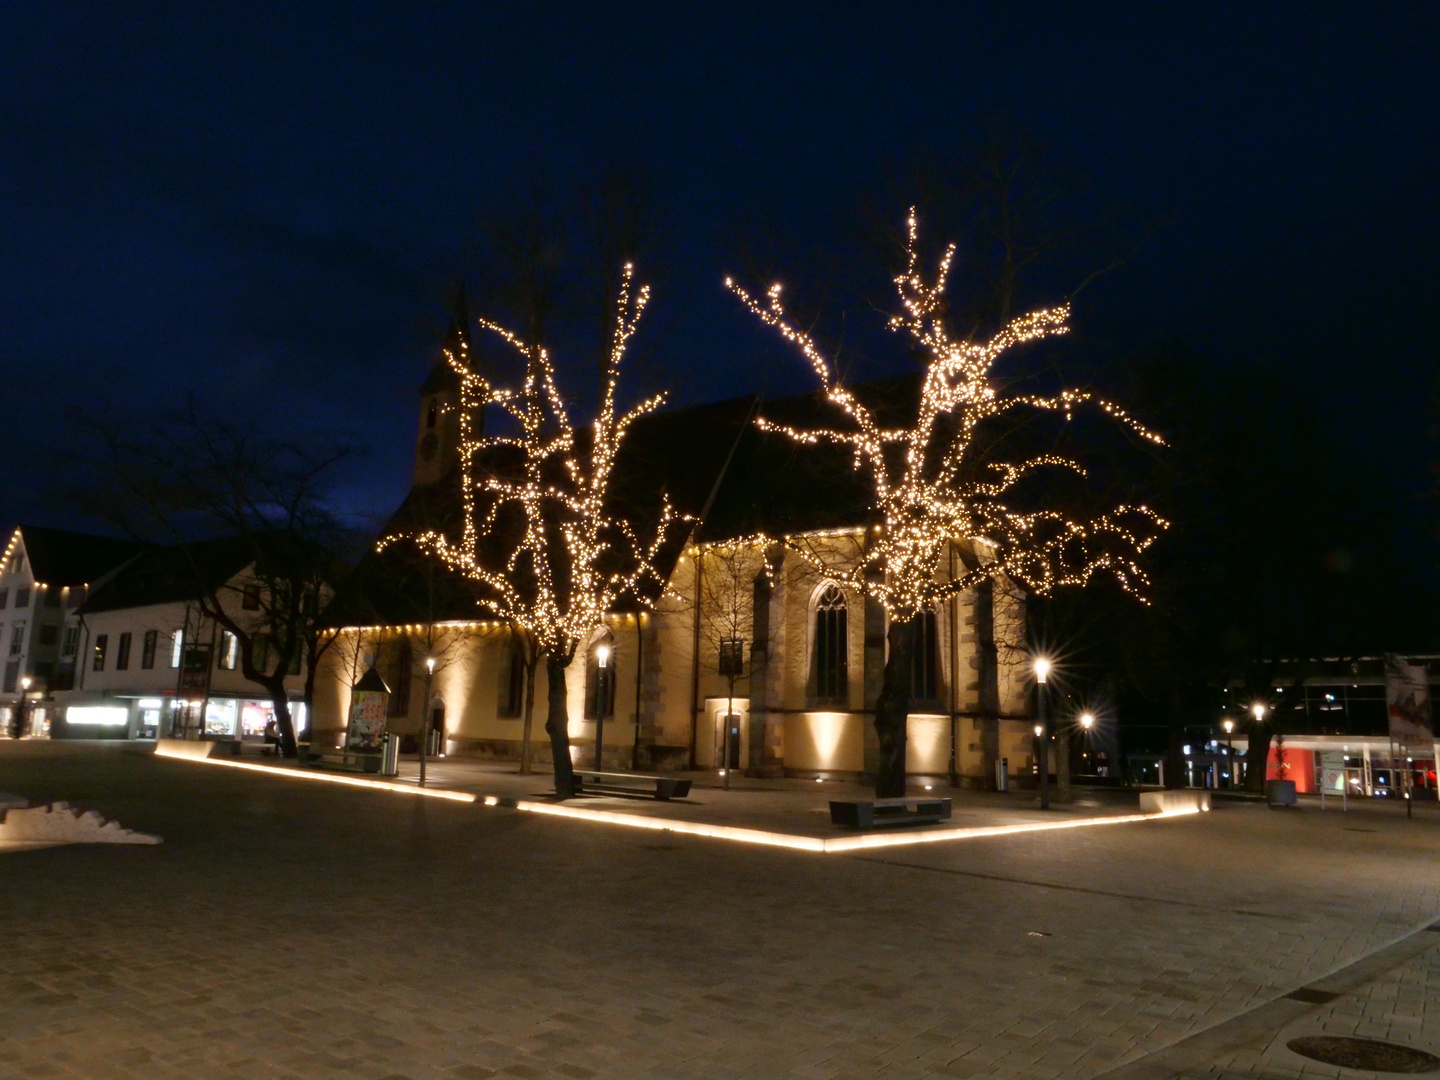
pixel 390 756
pixel 1002 775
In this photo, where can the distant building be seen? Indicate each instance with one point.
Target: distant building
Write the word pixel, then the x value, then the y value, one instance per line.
pixel 45 574
pixel 151 664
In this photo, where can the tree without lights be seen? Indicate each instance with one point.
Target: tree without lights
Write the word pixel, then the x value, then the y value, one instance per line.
pixel 937 482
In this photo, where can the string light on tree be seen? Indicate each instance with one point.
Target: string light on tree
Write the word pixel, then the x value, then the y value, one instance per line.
pixel 935 484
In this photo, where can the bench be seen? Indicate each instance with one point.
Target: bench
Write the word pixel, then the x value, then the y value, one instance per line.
pixel 883 813
pixel 366 761
pixel 591 782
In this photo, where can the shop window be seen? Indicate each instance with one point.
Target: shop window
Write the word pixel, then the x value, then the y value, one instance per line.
pixel 122 652
pixel 925 659
pixel 229 650
pixel 71 645
pixel 177 648
pixel 830 648
pixel 147 649
pixel 17 639
pixel 600 678
pixel 22 597
pixel 102 642
pixel 250 598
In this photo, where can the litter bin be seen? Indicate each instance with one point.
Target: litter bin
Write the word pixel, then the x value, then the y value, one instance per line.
pixel 1002 775
pixel 390 756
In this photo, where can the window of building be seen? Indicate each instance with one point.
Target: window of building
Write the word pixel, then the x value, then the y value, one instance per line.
pixel 17 563
pixel 512 684
pixel 52 597
pixel 71 645
pixel 404 660
pixel 177 647
pixel 147 648
pixel 49 633
pixel 229 650
pixel 4 599
pixel 102 641
pixel 122 652
pixel 250 597
pixel 22 597
pixel 17 639
pixel 600 678
pixel 829 663
pixel 925 659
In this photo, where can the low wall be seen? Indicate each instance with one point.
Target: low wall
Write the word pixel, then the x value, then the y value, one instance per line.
pixel 1174 802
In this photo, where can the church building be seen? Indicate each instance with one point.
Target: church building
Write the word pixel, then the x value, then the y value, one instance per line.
pixel 752 659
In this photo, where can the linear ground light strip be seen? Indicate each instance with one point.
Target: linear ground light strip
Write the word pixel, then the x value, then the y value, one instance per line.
pixel 327 778
pixel 836 844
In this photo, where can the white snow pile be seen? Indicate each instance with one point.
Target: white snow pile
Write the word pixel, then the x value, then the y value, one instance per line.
pixel 23 826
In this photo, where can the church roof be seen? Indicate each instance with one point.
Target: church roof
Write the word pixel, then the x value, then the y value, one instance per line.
pixel 712 461
pixel 442 376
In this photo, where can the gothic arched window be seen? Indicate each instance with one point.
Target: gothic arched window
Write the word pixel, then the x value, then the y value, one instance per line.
pixel 830 648
pixel 925 659
pixel 600 677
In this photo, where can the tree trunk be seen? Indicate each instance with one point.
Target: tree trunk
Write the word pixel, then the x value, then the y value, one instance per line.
pixel 1257 757
pixel 557 726
pixel 530 672
pixel 892 712
pixel 281 703
pixel 424 741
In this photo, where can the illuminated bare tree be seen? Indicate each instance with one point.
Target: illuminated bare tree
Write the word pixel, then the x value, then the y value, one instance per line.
pixel 937 483
pixel 548 553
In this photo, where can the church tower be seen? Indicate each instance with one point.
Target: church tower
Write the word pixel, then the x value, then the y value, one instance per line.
pixel 437 443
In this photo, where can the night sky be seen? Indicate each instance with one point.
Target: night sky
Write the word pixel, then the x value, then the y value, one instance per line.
pixel 266 204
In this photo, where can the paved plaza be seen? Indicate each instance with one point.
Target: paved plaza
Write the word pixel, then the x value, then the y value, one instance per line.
pixel 306 930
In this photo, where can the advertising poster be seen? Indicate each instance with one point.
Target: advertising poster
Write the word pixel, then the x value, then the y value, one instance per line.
pixel 1407 701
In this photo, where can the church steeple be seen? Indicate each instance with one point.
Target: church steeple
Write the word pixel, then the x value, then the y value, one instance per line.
pixel 437 443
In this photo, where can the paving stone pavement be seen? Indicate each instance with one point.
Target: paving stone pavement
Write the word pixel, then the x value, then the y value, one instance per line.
pixel 295 930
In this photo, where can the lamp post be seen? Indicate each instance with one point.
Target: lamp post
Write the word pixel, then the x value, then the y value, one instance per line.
pixel 423 743
pixel 21 708
pixel 1042 730
pixel 1229 726
pixel 602 692
pixel 1258 711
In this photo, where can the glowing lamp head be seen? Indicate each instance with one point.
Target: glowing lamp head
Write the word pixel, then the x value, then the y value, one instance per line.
pixel 1087 720
pixel 1042 669
pixel 1259 711
pixel 1229 726
pixel 430 664
pixel 24 683
pixel 1039 731
pixel 602 656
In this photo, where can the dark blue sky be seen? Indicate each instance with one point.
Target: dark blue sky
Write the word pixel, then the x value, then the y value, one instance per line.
pixel 266 203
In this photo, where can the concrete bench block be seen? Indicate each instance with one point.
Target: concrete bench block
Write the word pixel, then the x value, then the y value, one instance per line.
pixel 1184 801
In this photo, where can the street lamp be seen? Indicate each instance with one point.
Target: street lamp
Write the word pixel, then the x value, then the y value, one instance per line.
pixel 602 690
pixel 1087 721
pixel 1229 726
pixel 1042 730
pixel 20 709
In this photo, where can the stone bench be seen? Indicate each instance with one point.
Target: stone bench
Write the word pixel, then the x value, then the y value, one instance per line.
pixel 885 813
pixel 662 788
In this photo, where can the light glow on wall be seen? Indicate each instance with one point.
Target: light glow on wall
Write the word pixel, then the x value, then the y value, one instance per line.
pixel 97 715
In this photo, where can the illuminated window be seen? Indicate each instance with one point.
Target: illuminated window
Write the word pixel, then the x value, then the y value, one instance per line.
pixel 229 650
pixel 71 645
pixel 829 657
pixel 102 642
pixel 177 647
pixel 147 649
